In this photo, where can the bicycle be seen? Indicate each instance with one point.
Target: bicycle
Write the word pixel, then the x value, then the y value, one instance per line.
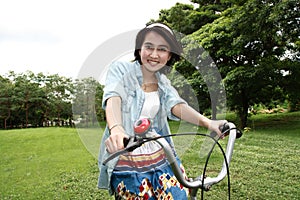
pixel 141 129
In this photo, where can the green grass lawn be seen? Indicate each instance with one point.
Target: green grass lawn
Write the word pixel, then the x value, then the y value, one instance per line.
pixel 53 163
pixel 46 163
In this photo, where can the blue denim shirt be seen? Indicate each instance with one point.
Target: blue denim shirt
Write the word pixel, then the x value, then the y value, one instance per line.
pixel 124 79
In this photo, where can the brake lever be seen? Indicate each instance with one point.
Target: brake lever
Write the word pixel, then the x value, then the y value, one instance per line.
pixel 132 143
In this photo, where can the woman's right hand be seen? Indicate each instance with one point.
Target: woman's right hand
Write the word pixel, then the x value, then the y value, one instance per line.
pixel 114 120
pixel 115 141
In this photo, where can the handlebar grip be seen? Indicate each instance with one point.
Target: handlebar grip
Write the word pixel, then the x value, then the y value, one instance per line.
pixel 225 129
pixel 222 129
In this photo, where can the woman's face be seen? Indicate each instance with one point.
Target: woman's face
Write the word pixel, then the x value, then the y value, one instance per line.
pixel 155 52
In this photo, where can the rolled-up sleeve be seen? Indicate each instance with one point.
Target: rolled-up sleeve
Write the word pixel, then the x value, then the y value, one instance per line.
pixel 114 84
pixel 171 98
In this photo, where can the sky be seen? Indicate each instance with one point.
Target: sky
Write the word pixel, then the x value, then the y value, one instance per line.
pixel 57 36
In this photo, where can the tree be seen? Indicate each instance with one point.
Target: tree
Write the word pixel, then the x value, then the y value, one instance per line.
pixel 262 40
pixel 98 103
pixel 33 100
pixel 185 19
pixel 27 97
pixel 177 17
pixel 59 93
pixel 88 100
pixel 251 42
pixel 6 92
pixel 290 83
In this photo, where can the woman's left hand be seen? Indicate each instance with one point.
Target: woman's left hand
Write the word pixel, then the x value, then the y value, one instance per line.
pixel 216 125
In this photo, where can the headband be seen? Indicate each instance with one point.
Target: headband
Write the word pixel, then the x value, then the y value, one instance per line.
pixel 160 25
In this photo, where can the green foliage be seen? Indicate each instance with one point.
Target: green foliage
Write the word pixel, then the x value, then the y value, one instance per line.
pixel 176 16
pixel 185 19
pixel 290 83
pixel 254 44
pixel 37 100
pixel 87 102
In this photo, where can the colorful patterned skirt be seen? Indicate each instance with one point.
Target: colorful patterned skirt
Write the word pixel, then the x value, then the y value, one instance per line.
pixel 146 174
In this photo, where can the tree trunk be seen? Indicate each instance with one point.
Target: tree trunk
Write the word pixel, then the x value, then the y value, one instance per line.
pixel 26 117
pixel 243 112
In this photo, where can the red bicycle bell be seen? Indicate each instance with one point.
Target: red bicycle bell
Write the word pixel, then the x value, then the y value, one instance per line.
pixel 142 126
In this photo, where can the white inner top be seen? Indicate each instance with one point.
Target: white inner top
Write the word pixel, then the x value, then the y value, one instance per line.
pixel 151 105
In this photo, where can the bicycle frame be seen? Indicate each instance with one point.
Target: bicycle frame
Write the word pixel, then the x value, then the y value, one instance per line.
pixel 199 182
pixel 208 181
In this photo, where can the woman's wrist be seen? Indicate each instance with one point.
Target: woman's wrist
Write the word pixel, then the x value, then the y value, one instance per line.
pixel 204 121
pixel 116 128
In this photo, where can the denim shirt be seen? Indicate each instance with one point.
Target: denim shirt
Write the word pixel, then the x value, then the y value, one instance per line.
pixel 124 79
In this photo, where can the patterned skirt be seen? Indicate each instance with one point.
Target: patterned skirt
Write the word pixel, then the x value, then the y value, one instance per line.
pixel 146 174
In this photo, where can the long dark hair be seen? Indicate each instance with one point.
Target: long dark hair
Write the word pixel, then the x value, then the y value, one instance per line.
pixel 163 30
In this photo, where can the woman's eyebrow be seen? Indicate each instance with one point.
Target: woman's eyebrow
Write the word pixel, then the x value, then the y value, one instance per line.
pixel 148 43
pixel 163 45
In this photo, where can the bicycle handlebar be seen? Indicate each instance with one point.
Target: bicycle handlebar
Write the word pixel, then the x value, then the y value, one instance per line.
pixel 229 129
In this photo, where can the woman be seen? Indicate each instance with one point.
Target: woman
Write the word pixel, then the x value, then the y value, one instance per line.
pixel 135 90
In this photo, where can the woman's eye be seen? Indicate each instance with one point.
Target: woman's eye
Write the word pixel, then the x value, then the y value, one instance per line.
pixel 149 47
pixel 162 49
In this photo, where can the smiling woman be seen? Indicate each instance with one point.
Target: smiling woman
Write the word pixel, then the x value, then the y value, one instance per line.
pixel 137 90
pixel 155 53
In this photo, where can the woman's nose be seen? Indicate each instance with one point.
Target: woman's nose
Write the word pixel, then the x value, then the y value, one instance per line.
pixel 154 53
